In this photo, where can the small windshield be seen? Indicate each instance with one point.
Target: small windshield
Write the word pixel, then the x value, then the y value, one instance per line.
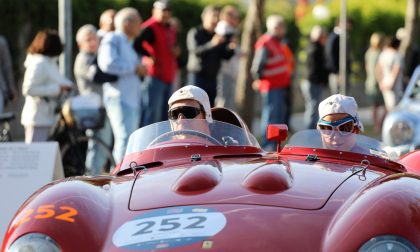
pixel 325 139
pixel 189 132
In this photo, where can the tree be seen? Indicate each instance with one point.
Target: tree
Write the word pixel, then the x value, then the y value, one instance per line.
pixel 244 96
pixel 410 30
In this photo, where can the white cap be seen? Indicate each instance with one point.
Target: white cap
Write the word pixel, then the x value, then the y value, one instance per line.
pixel 195 93
pixel 340 104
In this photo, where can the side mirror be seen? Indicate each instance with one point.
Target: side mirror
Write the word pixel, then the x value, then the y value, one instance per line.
pixel 277 132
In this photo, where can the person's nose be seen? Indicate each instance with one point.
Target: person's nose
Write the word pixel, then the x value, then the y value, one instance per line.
pixel 181 116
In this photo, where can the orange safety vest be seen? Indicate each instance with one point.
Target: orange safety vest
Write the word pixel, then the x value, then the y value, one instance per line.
pixel 277 69
pixel 290 58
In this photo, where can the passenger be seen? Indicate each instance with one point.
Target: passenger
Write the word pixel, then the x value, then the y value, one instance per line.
pixel 339 123
pixel 190 102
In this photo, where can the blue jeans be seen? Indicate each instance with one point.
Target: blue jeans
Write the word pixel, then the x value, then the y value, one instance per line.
pixel 124 120
pixel 226 91
pixel 208 85
pixel 312 93
pixel 155 96
pixel 95 156
pixel 273 112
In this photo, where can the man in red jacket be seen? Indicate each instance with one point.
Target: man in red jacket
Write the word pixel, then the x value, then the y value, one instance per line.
pixel 271 71
pixel 157 45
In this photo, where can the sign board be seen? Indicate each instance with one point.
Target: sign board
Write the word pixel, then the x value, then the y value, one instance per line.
pixel 24 168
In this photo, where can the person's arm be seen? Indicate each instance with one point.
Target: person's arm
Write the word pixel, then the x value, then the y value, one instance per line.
pixel 367 70
pixel 194 46
pixel 336 54
pixel 260 58
pixel 146 35
pixel 110 59
pixel 82 66
pixel 7 68
pixel 311 60
pixel 228 51
pixel 395 71
pixel 379 74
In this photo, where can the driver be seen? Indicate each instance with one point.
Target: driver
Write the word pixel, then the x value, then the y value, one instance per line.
pixel 339 123
pixel 190 102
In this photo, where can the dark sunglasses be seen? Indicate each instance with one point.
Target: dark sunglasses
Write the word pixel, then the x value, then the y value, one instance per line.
pixel 345 126
pixel 188 112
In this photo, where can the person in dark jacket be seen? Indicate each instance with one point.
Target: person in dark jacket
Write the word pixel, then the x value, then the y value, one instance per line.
pixel 317 75
pixel 206 52
pixel 332 57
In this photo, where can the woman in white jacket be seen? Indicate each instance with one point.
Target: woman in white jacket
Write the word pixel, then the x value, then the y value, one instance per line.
pixel 42 85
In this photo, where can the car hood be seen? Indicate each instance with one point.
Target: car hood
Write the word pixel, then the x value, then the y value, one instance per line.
pixel 282 183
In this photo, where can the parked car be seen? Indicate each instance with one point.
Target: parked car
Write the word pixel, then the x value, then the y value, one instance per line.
pixel 401 128
pixel 186 190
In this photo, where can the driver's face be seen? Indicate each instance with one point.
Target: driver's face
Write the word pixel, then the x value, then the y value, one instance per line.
pixel 188 103
pixel 182 122
pixel 333 139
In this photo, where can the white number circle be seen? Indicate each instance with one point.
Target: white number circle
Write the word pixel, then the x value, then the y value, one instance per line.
pixel 169 228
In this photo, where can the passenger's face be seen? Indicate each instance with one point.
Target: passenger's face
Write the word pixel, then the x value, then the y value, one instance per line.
pixel 333 138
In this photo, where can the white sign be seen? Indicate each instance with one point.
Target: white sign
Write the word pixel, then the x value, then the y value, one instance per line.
pixel 24 168
pixel 169 228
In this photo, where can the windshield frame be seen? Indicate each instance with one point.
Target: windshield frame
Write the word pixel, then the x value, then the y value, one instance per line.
pixel 313 150
pixel 147 137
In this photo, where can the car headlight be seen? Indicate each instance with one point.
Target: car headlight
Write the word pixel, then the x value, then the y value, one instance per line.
pixel 34 242
pixel 401 132
pixel 388 243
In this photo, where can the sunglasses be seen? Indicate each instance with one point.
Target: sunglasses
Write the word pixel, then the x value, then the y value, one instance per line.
pixel 345 126
pixel 188 112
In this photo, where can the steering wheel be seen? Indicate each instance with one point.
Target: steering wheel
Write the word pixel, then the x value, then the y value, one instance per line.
pixel 185 132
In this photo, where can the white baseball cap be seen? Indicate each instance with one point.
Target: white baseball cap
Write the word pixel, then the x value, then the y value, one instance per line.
pixel 195 93
pixel 340 104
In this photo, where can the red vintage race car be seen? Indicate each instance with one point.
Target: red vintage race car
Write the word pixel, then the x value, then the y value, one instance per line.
pixel 180 189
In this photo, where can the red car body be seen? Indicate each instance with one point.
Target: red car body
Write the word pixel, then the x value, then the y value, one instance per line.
pixel 196 197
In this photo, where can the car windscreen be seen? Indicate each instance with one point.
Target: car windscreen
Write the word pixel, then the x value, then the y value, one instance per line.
pixel 189 131
pixel 335 140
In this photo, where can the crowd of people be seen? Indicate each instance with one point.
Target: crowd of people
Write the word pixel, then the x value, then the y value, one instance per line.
pixel 133 66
